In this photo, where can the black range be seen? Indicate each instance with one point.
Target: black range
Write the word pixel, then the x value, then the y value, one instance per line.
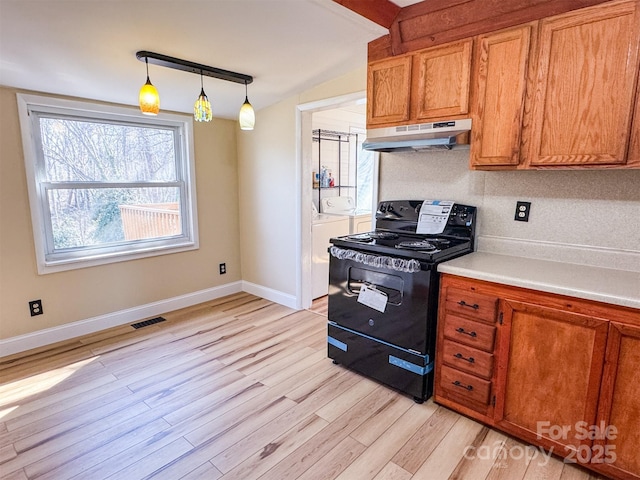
pixel 383 291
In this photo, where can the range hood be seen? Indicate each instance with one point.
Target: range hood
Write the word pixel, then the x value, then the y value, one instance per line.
pixel 436 135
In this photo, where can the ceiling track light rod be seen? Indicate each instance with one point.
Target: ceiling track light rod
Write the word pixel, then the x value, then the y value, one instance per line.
pixel 197 68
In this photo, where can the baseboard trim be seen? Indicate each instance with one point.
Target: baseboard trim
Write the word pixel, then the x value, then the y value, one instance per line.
pixel 270 294
pixel 68 331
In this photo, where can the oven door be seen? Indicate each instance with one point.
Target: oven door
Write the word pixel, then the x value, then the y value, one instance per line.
pixel 409 317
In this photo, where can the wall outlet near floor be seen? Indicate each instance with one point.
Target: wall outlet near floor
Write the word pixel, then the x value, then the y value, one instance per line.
pixel 223 268
pixel 35 306
pixel 522 211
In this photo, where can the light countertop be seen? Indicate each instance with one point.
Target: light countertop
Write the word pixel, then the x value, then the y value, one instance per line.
pixel 617 287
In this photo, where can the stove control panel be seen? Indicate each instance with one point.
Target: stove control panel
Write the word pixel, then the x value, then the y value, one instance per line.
pixel 462 215
pixel 402 216
pixel 409 210
pixel 405 209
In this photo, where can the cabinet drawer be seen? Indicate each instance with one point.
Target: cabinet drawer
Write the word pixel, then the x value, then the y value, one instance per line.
pixel 467 359
pixel 469 304
pixel 465 385
pixel 468 332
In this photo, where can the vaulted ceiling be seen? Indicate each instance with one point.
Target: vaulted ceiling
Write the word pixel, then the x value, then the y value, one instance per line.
pixel 86 48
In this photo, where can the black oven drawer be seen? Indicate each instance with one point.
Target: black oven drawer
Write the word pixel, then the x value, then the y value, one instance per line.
pixel 409 318
pixel 398 368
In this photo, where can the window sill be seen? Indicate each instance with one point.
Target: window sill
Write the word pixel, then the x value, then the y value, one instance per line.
pixel 53 266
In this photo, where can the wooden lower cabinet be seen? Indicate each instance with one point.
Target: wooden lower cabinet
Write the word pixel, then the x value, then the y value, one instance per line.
pixel 550 382
pixel 558 372
pixel 465 350
pixel 619 409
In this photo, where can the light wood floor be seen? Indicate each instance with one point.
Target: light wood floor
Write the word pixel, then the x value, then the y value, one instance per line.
pixel 238 388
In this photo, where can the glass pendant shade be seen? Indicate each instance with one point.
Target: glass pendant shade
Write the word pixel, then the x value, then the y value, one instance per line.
pixel 149 99
pixel 202 111
pixel 247 117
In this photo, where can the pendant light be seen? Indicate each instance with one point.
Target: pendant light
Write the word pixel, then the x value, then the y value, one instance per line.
pixel 149 99
pixel 246 117
pixel 202 109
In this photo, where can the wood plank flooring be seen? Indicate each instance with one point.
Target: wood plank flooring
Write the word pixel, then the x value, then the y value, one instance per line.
pixel 236 388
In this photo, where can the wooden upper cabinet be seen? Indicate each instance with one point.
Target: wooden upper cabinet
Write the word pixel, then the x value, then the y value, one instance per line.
pixel 620 404
pixel 431 84
pixel 500 74
pixel 634 145
pixel 441 88
pixel 584 86
pixel 554 361
pixel 389 90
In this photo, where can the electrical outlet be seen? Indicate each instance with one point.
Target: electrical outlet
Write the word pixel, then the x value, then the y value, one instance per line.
pixel 223 268
pixel 35 306
pixel 522 211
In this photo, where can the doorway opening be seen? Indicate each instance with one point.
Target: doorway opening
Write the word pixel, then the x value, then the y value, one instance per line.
pixel 338 183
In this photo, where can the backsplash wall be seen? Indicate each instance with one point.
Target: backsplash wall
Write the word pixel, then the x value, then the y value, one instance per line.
pixel 579 216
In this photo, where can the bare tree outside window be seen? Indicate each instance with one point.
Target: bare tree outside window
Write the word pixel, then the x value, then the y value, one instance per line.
pixel 105 182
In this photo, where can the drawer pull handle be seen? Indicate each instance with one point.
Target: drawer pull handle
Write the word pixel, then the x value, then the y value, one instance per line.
pixel 464 332
pixel 462 357
pixel 462 303
pixel 457 383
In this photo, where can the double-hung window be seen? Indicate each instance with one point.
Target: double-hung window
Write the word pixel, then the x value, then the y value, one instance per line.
pixel 106 183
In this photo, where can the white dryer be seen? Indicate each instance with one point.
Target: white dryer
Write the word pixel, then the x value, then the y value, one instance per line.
pixel 346 206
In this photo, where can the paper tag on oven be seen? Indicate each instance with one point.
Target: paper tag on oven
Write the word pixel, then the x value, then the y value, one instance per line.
pixel 373 298
pixel 433 216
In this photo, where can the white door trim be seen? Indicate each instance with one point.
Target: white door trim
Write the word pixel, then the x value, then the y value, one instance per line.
pixel 304 188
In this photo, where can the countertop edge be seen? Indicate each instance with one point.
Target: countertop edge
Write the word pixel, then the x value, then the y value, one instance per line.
pixel 464 267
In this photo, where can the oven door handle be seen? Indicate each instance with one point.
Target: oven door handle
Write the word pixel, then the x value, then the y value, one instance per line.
pixel 377 261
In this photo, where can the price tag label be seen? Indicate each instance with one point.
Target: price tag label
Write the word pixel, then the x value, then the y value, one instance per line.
pixel 433 216
pixel 373 298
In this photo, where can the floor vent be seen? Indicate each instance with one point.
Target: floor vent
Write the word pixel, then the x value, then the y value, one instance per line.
pixel 148 322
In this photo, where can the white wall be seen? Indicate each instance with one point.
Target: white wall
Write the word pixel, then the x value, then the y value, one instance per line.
pixel 271 189
pixel 589 217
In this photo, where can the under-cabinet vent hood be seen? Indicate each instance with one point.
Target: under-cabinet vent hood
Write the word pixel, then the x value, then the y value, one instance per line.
pixel 420 136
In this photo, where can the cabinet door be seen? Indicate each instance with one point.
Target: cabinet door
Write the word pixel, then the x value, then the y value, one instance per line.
pixel 619 407
pixel 500 73
pixel 442 85
pixel 634 146
pixel 389 90
pixel 584 86
pixel 549 377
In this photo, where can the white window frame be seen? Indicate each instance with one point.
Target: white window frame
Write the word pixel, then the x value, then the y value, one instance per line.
pixel 49 261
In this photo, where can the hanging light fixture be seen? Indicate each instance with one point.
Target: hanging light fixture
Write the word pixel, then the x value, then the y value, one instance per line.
pixel 246 117
pixel 202 112
pixel 202 109
pixel 149 99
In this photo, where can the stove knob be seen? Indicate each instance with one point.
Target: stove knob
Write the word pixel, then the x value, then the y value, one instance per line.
pixel 390 208
pixel 383 208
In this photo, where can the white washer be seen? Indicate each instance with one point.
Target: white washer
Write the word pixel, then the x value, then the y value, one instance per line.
pixel 323 228
pixel 345 206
